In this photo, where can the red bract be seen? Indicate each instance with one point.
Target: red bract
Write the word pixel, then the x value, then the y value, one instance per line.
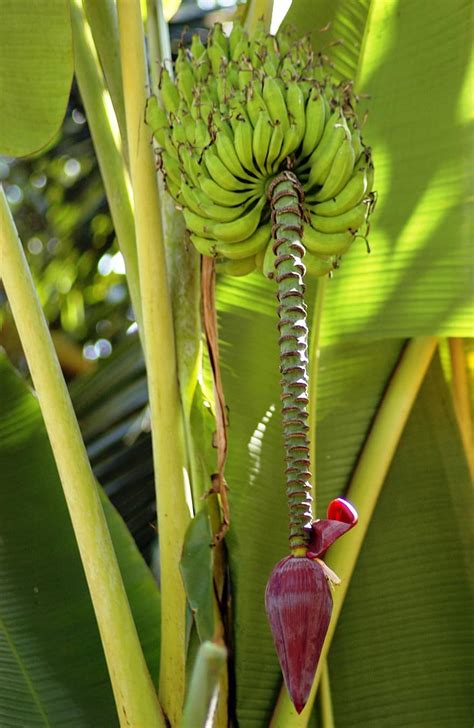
pixel 299 604
pixel 342 516
pixel 341 510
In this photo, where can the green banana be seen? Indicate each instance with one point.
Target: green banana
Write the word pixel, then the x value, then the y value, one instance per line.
pixel 315 120
pixel 171 166
pixel 243 138
pixel 255 102
pixel 352 194
pixel 198 224
pixel 291 143
pixel 262 135
pixel 221 196
pixel 318 265
pixel 201 64
pixel 237 37
pixel 357 145
pixel 178 134
pixel 275 101
pixel 220 39
pixel 326 243
pixel 295 101
pixel 226 150
pixel 170 148
pixel 205 246
pixel 198 202
pixel 202 135
pixel 189 127
pixel 169 92
pixel 172 188
pixel 190 166
pixel 245 76
pixel 236 267
pixel 198 49
pixel 268 263
pixel 350 220
pixel 238 230
pixel 238 113
pixel 250 246
pixel 288 70
pixel 340 172
pixel 237 110
pixel 157 119
pixel 274 148
pixel 185 80
pixel 219 172
pixel 323 156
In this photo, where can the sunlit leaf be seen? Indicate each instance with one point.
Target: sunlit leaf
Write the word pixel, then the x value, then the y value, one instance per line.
pixel 413 60
pixel 36 69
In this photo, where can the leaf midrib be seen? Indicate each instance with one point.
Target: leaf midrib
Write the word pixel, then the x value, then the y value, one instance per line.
pixel 34 695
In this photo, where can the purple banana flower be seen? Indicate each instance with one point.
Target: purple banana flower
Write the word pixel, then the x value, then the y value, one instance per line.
pixel 299 603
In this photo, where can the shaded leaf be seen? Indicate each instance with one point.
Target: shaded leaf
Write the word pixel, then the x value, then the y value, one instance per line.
pixel 196 570
pixel 403 651
pixel 51 659
pixel 258 537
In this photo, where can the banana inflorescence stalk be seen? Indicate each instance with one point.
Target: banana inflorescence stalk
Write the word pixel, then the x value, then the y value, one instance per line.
pixel 286 198
pixel 262 150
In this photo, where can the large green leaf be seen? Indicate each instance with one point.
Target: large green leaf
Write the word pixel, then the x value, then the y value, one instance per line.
pixel 403 650
pixel 51 661
pixel 36 69
pixel 352 380
pixel 255 473
pixel 412 58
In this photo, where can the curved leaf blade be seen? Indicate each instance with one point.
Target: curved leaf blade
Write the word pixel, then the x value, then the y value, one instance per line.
pixel 36 68
pixel 51 654
pixel 403 650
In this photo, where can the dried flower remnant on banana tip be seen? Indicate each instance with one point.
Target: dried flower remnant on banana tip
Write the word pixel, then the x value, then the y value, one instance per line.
pixel 239 112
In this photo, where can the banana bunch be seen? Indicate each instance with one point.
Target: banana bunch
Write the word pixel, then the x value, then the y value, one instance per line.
pixel 239 111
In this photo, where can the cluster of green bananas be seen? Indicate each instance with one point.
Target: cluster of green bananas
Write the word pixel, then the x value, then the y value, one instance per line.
pixel 237 113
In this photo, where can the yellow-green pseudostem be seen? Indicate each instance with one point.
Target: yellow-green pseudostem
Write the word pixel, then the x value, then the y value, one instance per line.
pixel 160 351
pixel 286 197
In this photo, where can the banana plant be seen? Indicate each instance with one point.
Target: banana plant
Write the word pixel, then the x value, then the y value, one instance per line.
pixel 383 419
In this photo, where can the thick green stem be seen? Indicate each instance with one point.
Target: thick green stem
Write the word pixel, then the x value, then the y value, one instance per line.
pixel 285 195
pixel 461 398
pixel 202 696
pixel 327 714
pixel 166 409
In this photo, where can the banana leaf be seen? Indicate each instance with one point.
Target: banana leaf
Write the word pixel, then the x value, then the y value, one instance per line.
pixel 51 659
pixel 36 69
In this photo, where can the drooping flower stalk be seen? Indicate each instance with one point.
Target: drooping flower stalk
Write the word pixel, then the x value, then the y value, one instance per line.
pixel 286 202
pixel 252 128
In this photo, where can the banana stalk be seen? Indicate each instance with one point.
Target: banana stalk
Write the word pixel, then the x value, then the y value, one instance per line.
pixel 286 197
